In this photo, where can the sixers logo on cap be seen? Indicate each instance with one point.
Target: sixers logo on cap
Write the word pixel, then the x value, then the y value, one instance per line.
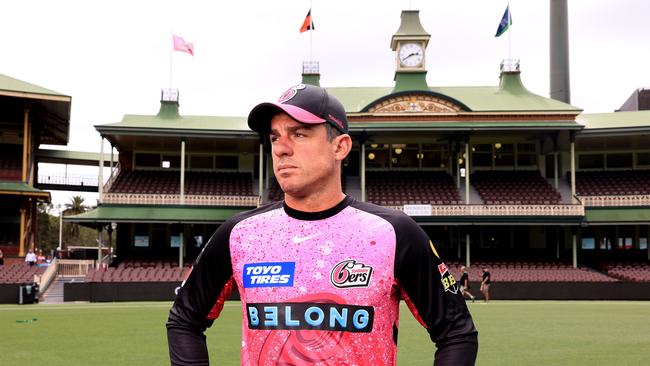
pixel 349 273
pixel 290 93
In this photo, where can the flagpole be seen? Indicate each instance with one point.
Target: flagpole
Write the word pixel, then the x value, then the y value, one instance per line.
pixel 171 62
pixel 509 32
pixel 311 32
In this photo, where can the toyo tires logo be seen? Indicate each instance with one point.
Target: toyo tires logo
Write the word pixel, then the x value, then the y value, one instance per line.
pixel 349 273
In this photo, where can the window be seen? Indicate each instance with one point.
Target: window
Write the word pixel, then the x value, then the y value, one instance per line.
pixel 526 155
pixel 482 155
pixel 619 160
pixel 147 160
pixel 202 162
pixel 591 161
pixel 377 157
pixel 589 243
pixel 643 159
pixel 405 156
pixel 174 161
pixel 504 155
pixel 227 162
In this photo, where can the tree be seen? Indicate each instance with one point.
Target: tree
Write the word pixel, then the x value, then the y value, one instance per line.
pixel 47 235
pixel 75 207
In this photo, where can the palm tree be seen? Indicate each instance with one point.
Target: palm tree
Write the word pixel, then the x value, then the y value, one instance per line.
pixel 75 207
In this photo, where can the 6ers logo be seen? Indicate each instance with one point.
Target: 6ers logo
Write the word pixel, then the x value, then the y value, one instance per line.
pixel 349 273
pixel 290 93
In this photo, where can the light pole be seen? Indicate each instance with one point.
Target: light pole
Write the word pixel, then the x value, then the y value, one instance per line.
pixel 59 207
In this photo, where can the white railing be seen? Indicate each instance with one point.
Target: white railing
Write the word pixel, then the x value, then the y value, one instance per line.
pixel 112 178
pixel 45 279
pixel 504 210
pixel 175 199
pixel 75 267
pixel 615 201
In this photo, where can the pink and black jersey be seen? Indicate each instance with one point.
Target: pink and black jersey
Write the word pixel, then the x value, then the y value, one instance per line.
pixel 321 289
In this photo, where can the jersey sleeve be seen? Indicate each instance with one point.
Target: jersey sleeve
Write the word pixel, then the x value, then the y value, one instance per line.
pixel 433 295
pixel 207 284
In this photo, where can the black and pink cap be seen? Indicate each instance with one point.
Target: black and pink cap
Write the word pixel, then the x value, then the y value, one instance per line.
pixel 306 104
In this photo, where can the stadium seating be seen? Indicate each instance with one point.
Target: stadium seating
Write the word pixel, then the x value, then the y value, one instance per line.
pixel 139 271
pixel 531 272
pixel 631 272
pixel 395 188
pixel 10 162
pixel 196 183
pixel 606 183
pixel 19 273
pixel 514 188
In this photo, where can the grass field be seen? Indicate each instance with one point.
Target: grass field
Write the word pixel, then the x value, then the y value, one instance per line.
pixel 510 333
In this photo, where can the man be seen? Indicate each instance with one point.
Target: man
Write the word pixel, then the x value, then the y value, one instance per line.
pixel 485 285
pixel 464 283
pixel 320 275
pixel 30 258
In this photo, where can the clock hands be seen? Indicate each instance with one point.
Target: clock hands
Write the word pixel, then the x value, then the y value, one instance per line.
pixel 412 54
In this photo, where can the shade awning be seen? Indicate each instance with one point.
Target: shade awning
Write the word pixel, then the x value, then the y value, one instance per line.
pixel 155 214
pixel 23 189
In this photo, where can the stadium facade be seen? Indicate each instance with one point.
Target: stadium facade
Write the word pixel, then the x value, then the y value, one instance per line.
pixel 492 173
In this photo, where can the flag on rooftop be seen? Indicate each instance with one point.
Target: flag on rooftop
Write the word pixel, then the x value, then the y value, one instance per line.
pixel 181 45
pixel 308 24
pixel 505 23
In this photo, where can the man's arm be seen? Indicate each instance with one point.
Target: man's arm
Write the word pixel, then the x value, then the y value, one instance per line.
pixel 434 296
pixel 199 301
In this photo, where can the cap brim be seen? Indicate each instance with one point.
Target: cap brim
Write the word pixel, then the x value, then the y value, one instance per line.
pixel 259 119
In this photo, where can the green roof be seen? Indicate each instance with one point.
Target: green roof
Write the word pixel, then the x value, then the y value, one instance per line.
pixel 72 157
pixel 8 83
pixel 155 214
pixel 617 215
pixel 615 120
pixel 182 125
pixel 507 97
pixel 21 189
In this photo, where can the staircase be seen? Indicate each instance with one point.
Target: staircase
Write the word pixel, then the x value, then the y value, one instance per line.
pixel 54 293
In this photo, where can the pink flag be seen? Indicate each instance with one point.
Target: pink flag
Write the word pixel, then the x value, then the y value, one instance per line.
pixel 181 45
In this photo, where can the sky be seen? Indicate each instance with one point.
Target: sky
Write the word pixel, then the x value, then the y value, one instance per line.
pixel 113 57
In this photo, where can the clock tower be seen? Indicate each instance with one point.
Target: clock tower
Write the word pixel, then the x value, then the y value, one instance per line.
pixel 409 43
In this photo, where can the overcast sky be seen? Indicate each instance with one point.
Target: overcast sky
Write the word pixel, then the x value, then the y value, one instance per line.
pixel 113 57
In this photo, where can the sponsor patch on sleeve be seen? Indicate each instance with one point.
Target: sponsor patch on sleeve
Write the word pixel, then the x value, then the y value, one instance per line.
pixel 271 274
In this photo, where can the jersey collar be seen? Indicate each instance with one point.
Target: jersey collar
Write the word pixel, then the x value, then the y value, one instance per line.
pixel 320 215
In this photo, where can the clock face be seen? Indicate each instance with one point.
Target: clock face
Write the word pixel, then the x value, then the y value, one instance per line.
pixel 411 55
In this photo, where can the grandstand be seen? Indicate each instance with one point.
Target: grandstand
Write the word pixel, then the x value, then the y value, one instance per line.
pixel 498 176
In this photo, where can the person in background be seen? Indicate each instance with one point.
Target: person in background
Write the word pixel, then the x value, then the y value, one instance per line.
pixel 464 283
pixel 30 258
pixel 485 285
pixel 2 258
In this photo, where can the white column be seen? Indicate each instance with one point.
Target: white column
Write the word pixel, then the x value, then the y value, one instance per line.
pixel 575 250
pixel 467 254
pixel 467 173
pixel 180 253
pixel 99 246
pixel 362 173
pixel 555 169
pixel 60 227
pixel 100 181
pixel 182 171
pixel 111 169
pixel 573 169
pixel 260 181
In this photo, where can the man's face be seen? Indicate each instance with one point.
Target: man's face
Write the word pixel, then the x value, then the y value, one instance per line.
pixel 304 160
